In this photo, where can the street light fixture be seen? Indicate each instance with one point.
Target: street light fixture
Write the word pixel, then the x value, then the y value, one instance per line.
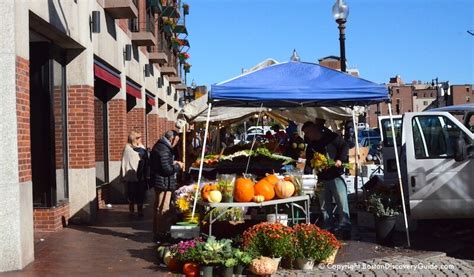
pixel 340 11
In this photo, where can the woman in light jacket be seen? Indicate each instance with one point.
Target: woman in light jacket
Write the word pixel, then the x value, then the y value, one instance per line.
pixel 134 163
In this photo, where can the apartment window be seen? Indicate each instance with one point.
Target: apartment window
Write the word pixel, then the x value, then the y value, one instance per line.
pixel 468 99
pixel 398 91
pixel 425 103
pixel 467 89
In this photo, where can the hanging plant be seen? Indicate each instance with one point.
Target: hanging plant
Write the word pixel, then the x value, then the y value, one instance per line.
pixel 183 57
pixel 168 25
pixel 186 67
pixel 177 42
pixel 186 8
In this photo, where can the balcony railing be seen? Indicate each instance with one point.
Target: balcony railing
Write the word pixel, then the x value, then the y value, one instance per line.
pixel 147 26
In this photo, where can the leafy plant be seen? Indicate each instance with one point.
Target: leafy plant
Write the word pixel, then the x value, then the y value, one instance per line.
pixel 232 214
pixel 382 205
pixel 242 257
pixel 230 262
pixel 214 251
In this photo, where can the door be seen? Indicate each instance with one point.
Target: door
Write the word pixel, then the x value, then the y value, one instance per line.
pixel 439 187
pixel 388 153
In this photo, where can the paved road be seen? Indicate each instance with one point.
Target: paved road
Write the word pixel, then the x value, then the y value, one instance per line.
pixel 439 265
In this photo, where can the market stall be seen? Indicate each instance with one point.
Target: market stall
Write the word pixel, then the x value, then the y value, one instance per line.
pixel 292 85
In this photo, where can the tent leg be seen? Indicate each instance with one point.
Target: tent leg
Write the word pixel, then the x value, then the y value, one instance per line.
pixel 254 140
pixel 399 173
pixel 356 136
pixel 202 159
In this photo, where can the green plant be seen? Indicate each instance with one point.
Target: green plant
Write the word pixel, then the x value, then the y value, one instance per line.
pixel 311 242
pixel 242 257
pixel 382 205
pixel 269 240
pixel 214 251
pixel 230 262
pixel 225 214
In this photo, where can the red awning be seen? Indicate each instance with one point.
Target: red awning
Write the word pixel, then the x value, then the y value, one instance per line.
pixel 134 90
pixel 150 100
pixel 104 74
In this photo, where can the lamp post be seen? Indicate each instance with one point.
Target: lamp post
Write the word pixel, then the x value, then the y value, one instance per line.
pixel 340 11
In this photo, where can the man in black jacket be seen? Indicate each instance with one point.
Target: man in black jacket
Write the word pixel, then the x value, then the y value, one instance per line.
pixel 164 168
pixel 328 143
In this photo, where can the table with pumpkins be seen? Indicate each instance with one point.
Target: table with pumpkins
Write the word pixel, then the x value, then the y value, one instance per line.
pixel 232 191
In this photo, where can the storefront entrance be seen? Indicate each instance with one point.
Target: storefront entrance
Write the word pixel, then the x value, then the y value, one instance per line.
pixel 48 119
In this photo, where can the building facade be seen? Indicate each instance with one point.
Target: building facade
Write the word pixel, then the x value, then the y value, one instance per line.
pixel 78 76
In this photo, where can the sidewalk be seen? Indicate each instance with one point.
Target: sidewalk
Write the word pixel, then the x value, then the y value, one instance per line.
pixel 121 244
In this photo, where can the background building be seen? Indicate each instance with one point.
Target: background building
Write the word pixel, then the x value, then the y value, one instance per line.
pixel 78 76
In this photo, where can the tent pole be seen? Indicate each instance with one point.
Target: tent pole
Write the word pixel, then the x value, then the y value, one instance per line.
pixel 356 154
pixel 202 159
pixel 254 139
pixel 184 144
pixel 399 173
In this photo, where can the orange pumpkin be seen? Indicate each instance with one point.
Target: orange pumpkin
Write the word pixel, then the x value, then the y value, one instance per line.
pixel 244 191
pixel 284 189
pixel 264 188
pixel 205 191
pixel 191 269
pixel 272 179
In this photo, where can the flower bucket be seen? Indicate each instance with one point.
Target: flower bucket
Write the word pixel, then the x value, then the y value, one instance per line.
pixel 206 270
pixel 330 259
pixel 239 269
pixel 384 227
pixel 304 263
pixel 226 271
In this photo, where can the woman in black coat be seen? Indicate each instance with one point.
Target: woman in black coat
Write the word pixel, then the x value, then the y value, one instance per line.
pixel 164 169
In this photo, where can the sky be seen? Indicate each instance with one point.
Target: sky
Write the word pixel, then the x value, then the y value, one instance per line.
pixel 416 39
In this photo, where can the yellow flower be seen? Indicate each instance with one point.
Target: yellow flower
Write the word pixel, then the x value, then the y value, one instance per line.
pixel 182 204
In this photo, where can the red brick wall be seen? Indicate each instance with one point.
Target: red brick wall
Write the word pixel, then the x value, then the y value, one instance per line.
pixel 58 126
pixel 117 128
pixel 51 219
pixel 81 126
pixel 461 94
pixel 23 118
pixel 136 121
pixel 334 64
pixel 102 197
pixel 152 125
pixel 99 130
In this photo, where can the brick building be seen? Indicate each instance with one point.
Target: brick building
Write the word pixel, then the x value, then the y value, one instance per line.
pixel 78 76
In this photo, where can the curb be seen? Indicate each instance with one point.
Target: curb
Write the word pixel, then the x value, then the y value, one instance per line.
pixel 430 255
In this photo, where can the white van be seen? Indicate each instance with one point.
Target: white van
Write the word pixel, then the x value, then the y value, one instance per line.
pixel 436 157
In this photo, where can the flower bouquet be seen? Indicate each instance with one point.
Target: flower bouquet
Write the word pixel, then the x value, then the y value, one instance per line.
pixel 183 57
pixel 321 162
pixel 177 42
pixel 268 239
pixel 314 244
pixel 184 200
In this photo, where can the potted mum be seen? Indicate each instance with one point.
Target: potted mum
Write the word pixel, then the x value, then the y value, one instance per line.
pixel 313 244
pixel 385 212
pixel 273 240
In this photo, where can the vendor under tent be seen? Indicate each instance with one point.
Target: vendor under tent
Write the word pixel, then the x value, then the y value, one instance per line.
pixel 297 84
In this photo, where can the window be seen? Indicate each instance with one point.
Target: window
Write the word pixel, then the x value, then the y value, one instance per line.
pixel 425 103
pixel 468 99
pixel 398 91
pixel 387 131
pixel 434 137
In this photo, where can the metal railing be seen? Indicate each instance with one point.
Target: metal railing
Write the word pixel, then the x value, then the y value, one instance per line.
pixel 148 26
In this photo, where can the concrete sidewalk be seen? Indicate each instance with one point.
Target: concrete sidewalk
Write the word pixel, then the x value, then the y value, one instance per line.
pixel 121 244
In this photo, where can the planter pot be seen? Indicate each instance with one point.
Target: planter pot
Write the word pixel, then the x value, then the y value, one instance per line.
pixel 206 270
pixel 384 227
pixel 239 269
pixel 330 259
pixel 226 271
pixel 191 269
pixel 277 260
pixel 305 263
pixel 227 198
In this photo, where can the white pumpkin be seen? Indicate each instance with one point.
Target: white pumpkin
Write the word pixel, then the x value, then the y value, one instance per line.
pixel 215 196
pixel 284 189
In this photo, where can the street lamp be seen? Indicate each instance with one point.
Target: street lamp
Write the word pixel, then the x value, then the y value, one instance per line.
pixel 340 11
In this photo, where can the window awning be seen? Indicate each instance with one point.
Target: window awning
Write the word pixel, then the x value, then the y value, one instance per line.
pixel 107 74
pixel 150 98
pixel 134 89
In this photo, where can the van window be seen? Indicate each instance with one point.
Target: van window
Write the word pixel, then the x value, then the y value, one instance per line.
pixel 434 137
pixel 387 131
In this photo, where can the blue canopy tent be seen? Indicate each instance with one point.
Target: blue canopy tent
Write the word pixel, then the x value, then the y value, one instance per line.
pixel 298 84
